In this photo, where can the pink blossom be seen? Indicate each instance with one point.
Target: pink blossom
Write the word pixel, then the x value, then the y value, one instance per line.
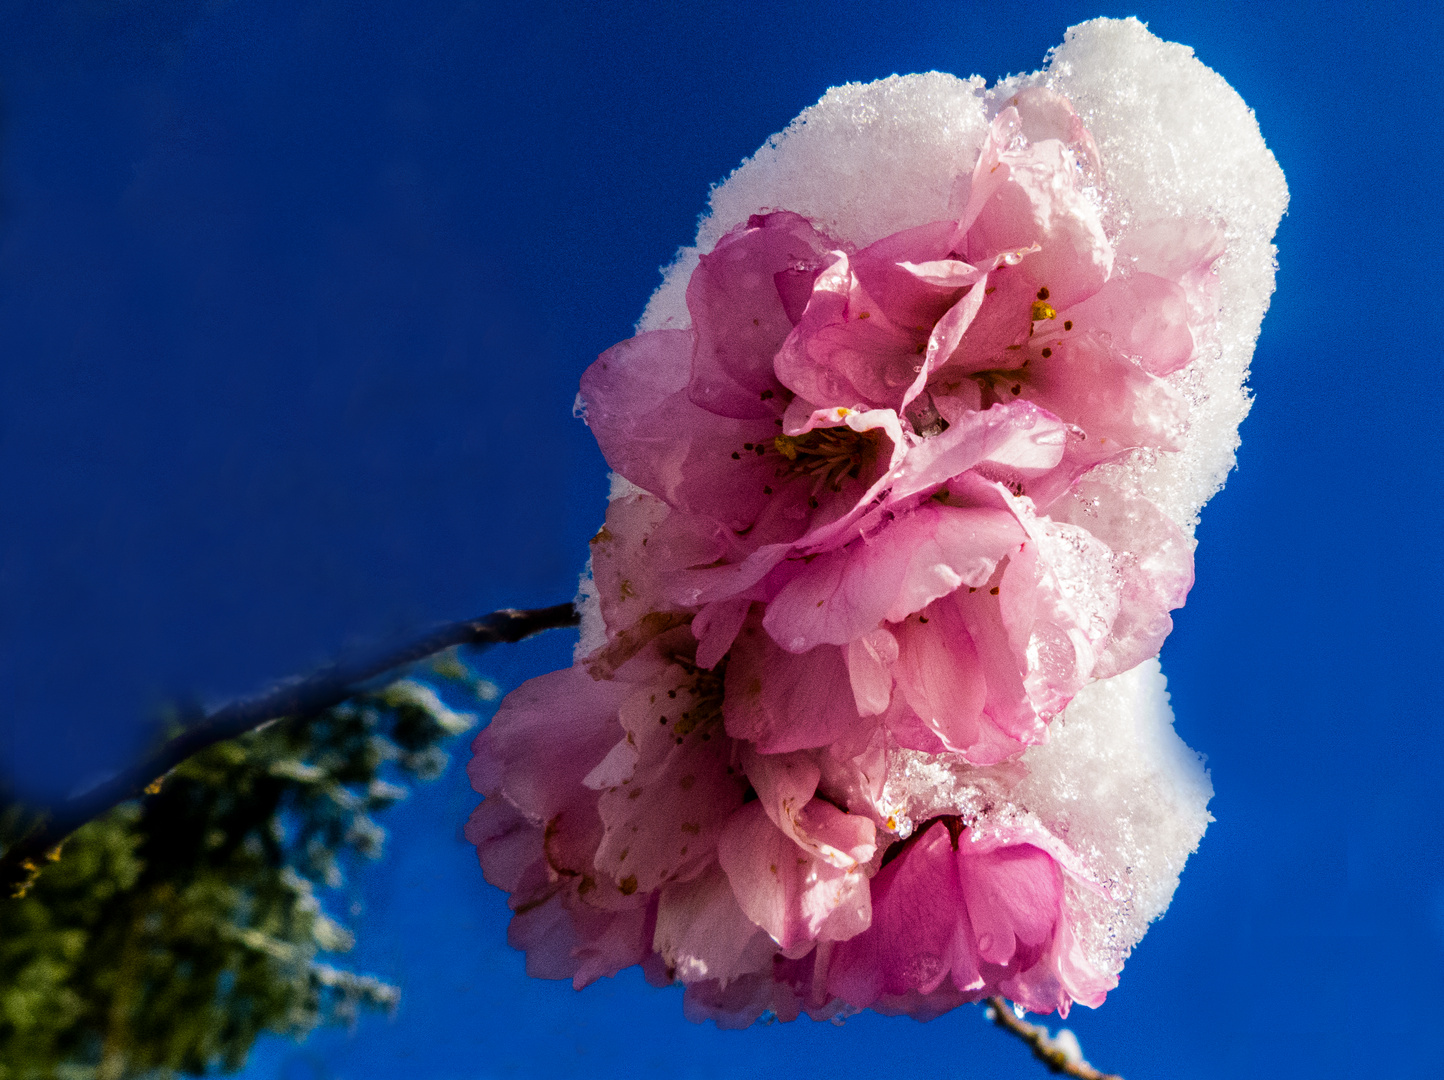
pixel 870 523
pixel 537 832
pixel 958 917
pixel 630 829
pixel 622 818
pixel 848 437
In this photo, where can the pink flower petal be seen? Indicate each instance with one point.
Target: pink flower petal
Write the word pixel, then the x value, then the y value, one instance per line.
pixel 507 844
pixel 939 674
pixel 716 627
pixel 566 940
pixel 744 1000
pixel 513 755
pixel 1022 196
pixel 1013 895
pixel 916 906
pixel 637 553
pixel 869 669
pixel 912 561
pixel 1007 706
pixel 1046 114
pixel 846 350
pixel 707 585
pixel 740 313
pixel 1079 980
pixel 996 335
pixel 781 701
pixel 783 889
pixel 1181 251
pixel 661 824
pixel 610 942
pixel 785 785
pixel 1017 437
pixel 651 432
pixel 702 933
pixel 1059 597
pixel 1155 558
pixel 1116 403
pixel 1144 317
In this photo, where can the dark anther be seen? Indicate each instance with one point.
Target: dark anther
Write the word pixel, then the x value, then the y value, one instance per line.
pixel 766 490
pixel 1068 325
pixel 736 456
pixel 993 591
pixel 1047 353
pixel 1043 293
pixel 766 394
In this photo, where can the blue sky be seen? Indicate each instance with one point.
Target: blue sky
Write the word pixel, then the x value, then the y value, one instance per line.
pixel 294 296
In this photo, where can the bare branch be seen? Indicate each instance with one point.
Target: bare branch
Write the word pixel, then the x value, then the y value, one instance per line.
pixel 293 698
pixel 1046 1048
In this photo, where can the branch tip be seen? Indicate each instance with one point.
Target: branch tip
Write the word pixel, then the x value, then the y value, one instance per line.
pixel 1048 1049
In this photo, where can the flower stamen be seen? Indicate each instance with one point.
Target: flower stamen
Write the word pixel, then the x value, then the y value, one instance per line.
pixel 828 455
pixel 705 713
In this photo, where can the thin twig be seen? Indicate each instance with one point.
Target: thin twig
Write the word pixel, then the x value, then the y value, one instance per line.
pixel 1045 1047
pixel 295 697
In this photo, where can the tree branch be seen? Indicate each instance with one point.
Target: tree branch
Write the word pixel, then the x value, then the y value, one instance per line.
pixel 1046 1048
pixel 293 698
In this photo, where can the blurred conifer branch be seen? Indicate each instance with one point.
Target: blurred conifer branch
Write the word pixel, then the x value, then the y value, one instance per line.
pixel 182 919
pixel 42 833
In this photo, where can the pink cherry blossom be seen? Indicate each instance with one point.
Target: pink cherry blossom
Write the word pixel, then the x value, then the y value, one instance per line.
pixel 958 917
pixel 623 811
pixel 871 523
pixel 630 829
pixel 875 430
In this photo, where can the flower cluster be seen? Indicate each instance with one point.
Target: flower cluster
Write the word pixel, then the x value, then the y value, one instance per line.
pixel 867 523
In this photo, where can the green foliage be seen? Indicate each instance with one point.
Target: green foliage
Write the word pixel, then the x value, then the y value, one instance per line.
pixel 173 931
